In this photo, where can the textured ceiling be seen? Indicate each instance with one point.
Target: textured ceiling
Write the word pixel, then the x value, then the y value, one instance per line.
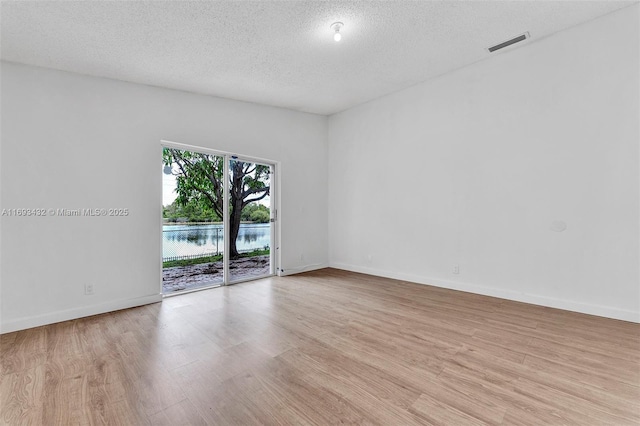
pixel 277 52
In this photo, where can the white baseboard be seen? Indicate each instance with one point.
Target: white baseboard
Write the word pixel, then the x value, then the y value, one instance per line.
pixel 567 305
pixel 301 269
pixel 75 313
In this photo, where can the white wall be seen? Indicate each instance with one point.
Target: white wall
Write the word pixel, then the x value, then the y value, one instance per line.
pixel 72 141
pixel 471 168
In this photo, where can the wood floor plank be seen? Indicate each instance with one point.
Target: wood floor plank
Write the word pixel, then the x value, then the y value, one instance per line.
pixel 21 396
pixel 27 351
pixel 64 396
pixel 320 348
pixel 414 368
pixel 436 412
pixel 563 401
pixel 314 396
pixel 331 362
pixel 466 400
pixel 182 413
pixel 623 370
pixel 504 393
pixel 584 376
pixel 485 371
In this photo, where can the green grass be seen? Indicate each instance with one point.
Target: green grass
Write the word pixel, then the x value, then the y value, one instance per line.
pixel 210 259
pixel 256 252
pixel 189 262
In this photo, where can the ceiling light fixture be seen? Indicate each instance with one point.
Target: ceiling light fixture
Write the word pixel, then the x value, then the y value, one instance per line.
pixel 336 26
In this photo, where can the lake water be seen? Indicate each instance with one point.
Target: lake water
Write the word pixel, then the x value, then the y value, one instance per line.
pixel 189 240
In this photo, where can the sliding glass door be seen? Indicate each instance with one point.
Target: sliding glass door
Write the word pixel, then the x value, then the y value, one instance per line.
pixel 250 221
pixel 218 219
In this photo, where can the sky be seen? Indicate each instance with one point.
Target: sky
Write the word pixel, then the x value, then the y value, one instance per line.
pixel 168 189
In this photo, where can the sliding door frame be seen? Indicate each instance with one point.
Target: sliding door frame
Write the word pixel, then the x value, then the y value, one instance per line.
pixel 274 183
pixel 273 213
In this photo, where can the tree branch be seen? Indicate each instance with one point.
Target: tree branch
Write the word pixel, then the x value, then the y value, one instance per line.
pixel 248 192
pixel 247 201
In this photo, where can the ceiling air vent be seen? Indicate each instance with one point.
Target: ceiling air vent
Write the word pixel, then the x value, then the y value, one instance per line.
pixel 504 44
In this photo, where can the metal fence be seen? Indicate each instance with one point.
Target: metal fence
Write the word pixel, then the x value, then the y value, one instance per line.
pixel 188 256
pixel 193 242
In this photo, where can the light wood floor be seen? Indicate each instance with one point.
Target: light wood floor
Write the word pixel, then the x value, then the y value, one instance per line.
pixel 321 348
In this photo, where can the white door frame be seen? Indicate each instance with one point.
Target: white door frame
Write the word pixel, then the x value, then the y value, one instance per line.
pixel 274 268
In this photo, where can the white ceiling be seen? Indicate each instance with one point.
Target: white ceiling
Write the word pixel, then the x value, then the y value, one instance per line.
pixel 277 52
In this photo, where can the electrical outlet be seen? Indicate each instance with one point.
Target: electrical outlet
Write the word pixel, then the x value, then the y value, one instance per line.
pixel 301 256
pixel 88 289
pixel 456 269
pixel 369 258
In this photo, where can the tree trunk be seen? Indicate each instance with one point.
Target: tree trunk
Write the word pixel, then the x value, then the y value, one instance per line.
pixel 234 227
